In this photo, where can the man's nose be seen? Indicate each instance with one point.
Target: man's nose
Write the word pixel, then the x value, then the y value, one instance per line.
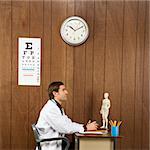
pixel 66 92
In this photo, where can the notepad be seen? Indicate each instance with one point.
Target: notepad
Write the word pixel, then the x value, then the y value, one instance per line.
pixel 95 132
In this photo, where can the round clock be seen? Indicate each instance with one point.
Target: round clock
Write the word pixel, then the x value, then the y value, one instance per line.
pixel 74 30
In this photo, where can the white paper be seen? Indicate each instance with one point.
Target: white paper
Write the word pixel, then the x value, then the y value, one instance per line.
pixel 94 132
pixel 29 61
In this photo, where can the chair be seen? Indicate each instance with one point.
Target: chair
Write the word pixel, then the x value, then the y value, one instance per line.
pixel 39 140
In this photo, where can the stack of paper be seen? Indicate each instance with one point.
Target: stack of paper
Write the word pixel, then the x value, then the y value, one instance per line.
pixel 95 132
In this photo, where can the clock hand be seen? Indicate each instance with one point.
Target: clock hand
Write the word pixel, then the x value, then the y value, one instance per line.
pixel 72 28
pixel 79 28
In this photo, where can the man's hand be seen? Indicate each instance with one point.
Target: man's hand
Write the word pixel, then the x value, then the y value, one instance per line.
pixel 91 125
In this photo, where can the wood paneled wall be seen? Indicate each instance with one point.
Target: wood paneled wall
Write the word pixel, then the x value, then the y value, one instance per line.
pixel 115 58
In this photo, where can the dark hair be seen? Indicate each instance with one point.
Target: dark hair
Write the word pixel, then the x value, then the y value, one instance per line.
pixel 54 86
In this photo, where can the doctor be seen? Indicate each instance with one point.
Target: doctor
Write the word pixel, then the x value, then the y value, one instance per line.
pixel 53 122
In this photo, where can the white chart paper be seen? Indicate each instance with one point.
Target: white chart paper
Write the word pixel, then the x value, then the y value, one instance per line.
pixel 29 61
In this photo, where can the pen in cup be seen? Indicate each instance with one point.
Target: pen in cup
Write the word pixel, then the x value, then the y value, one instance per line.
pixel 119 123
pixel 115 127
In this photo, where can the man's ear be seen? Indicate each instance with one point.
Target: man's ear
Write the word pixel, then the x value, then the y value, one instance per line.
pixel 55 93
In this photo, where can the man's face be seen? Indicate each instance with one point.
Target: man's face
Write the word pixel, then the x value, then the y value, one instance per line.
pixel 62 93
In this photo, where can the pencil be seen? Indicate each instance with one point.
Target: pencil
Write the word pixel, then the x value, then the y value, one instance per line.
pixel 110 123
pixel 115 123
pixel 119 123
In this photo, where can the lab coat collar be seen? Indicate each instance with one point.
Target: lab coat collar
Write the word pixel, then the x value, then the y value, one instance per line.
pixel 59 106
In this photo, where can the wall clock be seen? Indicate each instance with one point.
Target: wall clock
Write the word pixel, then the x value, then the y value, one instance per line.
pixel 74 30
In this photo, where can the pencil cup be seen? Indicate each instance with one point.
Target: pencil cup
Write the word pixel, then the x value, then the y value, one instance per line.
pixel 114 131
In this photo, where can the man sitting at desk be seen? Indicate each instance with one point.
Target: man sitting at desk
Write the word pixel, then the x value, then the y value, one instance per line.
pixel 53 122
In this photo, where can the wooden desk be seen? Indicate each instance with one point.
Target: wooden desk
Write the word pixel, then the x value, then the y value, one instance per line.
pixel 95 142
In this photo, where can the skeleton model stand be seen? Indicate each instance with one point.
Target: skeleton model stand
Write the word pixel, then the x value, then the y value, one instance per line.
pixel 105 110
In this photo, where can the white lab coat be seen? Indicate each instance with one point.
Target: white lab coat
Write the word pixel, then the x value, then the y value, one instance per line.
pixel 52 123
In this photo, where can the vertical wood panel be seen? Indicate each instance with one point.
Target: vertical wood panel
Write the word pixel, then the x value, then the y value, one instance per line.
pixel 69 71
pixel 58 51
pixel 70 65
pixel 5 74
pixel 113 55
pixel 20 27
pixel 139 75
pixel 79 70
pixel 128 74
pixel 46 51
pixel 89 63
pixel 98 62
pixel 35 93
pixel 146 88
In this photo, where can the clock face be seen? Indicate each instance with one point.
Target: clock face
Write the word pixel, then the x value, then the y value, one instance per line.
pixel 74 31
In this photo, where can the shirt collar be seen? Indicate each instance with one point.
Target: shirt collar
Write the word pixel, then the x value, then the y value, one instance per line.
pixel 59 106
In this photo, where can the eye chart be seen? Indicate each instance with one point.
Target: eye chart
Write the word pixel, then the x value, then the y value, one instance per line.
pixel 29 61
